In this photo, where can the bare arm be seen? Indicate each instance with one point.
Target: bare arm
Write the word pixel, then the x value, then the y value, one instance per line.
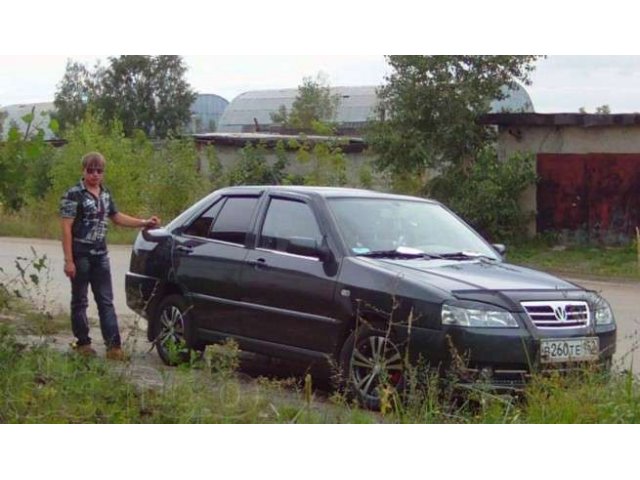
pixel 67 238
pixel 124 220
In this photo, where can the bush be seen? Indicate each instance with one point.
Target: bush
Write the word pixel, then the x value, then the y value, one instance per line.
pixel 129 164
pixel 326 162
pixel 253 168
pixel 487 193
pixel 174 182
pixel 24 169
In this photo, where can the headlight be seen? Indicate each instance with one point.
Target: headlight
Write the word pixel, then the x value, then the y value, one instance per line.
pixel 477 315
pixel 603 312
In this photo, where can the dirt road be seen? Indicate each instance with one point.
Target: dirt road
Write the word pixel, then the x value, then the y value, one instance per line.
pixel 623 296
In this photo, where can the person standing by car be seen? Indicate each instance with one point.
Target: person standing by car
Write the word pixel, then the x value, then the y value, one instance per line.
pixel 84 210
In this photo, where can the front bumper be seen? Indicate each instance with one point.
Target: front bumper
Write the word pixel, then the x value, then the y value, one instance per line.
pixel 502 358
pixel 140 292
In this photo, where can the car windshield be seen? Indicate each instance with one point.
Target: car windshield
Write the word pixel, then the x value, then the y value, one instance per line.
pixel 371 225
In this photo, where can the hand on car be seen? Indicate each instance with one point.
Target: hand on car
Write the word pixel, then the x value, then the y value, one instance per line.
pixel 152 222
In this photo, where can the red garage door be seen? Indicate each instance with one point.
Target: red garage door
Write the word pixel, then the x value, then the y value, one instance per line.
pixel 598 194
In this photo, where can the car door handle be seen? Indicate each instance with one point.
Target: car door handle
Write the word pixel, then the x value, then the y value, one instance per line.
pixel 184 249
pixel 259 263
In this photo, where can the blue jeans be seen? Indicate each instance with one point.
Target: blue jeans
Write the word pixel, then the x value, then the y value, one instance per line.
pixel 95 271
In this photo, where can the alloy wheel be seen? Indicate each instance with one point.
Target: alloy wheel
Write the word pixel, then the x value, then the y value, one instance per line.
pixel 375 361
pixel 171 329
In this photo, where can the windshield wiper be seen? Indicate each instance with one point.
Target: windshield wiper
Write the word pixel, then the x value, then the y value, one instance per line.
pixel 465 255
pixel 400 252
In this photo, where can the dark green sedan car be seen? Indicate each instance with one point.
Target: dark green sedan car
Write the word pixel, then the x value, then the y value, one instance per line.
pixel 358 279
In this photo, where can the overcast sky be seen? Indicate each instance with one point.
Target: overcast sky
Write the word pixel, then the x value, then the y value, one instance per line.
pixel 560 83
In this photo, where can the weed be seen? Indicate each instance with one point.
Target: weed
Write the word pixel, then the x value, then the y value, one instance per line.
pixel 25 295
pixel 222 360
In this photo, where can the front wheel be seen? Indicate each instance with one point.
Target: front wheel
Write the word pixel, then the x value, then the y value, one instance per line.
pixel 370 360
pixel 170 341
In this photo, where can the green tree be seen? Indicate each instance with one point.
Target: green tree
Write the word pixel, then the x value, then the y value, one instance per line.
pixel 146 93
pixel 429 105
pixel 428 139
pixel 602 110
pixel 75 92
pixel 142 92
pixel 173 95
pixel 313 109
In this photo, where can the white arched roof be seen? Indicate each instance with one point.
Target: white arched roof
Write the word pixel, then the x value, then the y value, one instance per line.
pixel 356 107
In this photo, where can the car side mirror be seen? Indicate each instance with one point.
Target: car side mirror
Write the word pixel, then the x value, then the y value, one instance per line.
pixel 500 248
pixel 156 235
pixel 324 254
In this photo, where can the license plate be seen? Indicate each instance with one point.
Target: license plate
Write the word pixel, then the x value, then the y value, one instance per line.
pixel 560 350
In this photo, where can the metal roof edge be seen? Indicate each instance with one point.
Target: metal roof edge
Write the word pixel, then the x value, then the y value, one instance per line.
pixel 560 119
pixel 270 140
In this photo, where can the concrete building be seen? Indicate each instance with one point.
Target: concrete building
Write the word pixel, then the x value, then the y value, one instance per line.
pixel 588 167
pixel 228 145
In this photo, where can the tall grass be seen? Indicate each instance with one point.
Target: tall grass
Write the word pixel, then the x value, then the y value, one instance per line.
pixel 39 221
pixel 618 262
pixel 30 222
pixel 41 385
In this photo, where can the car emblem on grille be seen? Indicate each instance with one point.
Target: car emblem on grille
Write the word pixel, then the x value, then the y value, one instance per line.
pixel 558 313
pixel 561 313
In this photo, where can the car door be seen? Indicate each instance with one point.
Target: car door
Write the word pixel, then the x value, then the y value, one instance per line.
pixel 209 255
pixel 290 297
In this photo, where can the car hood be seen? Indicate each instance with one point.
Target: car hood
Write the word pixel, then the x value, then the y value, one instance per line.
pixel 473 275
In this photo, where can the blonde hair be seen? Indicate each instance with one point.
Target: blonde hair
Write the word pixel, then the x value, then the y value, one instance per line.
pixel 93 159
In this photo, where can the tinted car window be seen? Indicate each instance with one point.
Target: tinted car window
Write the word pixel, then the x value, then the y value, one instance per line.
pixel 201 226
pixel 287 219
pixel 233 220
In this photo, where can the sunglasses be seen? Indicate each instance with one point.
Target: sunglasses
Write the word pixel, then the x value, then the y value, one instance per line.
pixel 99 171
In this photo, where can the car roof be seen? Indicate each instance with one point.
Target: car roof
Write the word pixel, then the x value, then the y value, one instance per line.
pixel 326 192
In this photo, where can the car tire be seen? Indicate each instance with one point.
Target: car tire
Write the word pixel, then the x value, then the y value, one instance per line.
pixel 368 358
pixel 171 320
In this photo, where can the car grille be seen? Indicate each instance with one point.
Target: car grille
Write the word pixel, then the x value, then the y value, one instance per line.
pixel 558 314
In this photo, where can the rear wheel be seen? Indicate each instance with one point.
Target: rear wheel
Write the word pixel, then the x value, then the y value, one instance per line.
pixel 170 340
pixel 370 360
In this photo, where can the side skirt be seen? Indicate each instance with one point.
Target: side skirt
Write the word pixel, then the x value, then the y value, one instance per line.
pixel 265 348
